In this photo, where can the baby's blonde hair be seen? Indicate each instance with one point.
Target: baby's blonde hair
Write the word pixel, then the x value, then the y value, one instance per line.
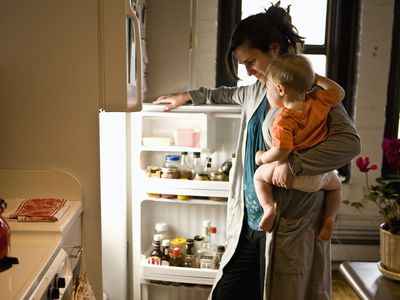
pixel 293 71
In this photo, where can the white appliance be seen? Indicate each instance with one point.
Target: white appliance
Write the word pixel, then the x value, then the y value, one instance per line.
pixel 48 252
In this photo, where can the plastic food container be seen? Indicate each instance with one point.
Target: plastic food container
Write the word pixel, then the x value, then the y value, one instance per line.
pixel 187 137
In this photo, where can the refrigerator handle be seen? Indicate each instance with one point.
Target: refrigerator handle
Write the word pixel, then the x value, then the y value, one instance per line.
pixel 135 92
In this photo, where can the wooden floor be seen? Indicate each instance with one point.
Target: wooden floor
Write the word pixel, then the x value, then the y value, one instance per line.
pixel 341 290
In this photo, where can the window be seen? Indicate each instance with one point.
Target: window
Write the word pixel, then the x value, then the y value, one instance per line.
pixel 392 128
pixel 331 39
pixel 313 29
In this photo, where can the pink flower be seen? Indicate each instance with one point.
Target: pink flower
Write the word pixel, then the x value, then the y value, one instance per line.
pixel 363 164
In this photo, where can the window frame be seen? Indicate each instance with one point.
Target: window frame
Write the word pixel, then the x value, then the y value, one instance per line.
pixel 393 92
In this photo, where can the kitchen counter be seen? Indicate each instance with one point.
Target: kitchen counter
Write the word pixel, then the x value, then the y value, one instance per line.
pixel 368 282
pixel 35 252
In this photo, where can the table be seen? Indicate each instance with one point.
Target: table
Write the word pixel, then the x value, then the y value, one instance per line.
pixel 368 282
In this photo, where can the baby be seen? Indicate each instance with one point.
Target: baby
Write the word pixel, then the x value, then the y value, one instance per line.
pixel 299 125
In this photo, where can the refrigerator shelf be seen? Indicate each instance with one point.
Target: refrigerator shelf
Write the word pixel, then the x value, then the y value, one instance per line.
pixel 170 149
pixel 177 274
pixel 186 187
pixel 188 201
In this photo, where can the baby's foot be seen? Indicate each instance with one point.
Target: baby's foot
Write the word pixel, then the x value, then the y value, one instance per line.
pixel 326 231
pixel 268 217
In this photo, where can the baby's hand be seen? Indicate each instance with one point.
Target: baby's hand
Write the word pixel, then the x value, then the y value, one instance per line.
pixel 258 157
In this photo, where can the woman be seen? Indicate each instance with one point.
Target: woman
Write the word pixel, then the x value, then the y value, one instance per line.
pixel 289 263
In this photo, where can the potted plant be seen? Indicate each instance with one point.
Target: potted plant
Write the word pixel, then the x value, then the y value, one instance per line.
pixel 385 195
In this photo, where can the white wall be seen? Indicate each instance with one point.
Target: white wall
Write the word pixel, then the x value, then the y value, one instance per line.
pixel 49 91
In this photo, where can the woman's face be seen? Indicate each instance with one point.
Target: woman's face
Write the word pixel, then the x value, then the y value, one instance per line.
pixel 256 61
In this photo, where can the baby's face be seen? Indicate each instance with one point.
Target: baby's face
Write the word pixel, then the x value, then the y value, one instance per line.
pixel 273 96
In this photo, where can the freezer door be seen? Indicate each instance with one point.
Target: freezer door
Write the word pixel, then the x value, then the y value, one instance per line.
pixel 121 57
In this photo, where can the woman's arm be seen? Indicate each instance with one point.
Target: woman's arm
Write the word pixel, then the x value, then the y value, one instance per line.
pixel 341 146
pixel 221 95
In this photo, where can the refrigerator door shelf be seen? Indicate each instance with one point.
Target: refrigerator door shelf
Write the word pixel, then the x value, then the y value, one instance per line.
pixel 187 187
pixel 171 149
pixel 188 201
pixel 177 274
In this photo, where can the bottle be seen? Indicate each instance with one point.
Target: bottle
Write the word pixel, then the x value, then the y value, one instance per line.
pixel 232 167
pixel 155 256
pixel 205 253
pixel 218 256
pixel 185 167
pixel 165 258
pixel 207 167
pixel 176 258
pixel 197 167
pixel 161 228
pixel 198 240
pixel 189 261
pixel 213 238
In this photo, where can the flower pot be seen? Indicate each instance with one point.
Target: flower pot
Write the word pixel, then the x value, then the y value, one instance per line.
pixel 390 250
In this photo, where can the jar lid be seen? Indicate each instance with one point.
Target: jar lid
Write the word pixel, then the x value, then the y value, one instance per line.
pixel 213 229
pixel 190 241
pixel 221 248
pixel 157 237
pixel 172 157
pixel 161 226
pixel 198 238
pixel 165 243
pixel 178 241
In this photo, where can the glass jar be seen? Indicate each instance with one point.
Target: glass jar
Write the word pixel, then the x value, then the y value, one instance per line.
pixel 180 243
pixel 172 161
pixel 169 173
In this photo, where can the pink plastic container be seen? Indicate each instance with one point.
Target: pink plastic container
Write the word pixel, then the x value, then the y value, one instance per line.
pixel 187 137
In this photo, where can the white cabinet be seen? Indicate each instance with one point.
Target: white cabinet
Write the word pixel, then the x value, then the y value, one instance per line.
pixel 218 126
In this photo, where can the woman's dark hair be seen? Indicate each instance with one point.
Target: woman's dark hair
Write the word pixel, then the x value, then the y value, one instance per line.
pixel 259 31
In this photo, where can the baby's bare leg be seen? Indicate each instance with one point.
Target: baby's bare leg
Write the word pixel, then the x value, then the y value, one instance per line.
pixel 263 187
pixel 332 205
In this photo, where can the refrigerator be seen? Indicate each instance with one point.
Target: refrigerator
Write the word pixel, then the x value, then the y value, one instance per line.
pixel 70 80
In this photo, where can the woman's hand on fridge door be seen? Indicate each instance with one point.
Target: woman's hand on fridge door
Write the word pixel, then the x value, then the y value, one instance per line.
pixel 173 101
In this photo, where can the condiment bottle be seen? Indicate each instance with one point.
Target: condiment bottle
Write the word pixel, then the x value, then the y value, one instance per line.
pixel 165 258
pixel 207 167
pixel 185 167
pixel 197 167
pixel 155 256
pixel 198 239
pixel 189 260
pixel 205 252
pixel 176 258
pixel 180 243
pixel 218 256
pixel 161 228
